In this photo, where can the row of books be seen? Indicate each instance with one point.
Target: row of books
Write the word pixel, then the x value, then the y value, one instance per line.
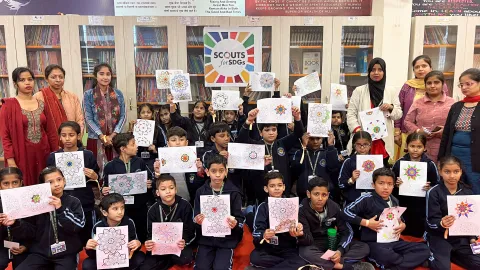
pixel 476 61
pixel 3 87
pixel 195 64
pixel 147 91
pixel 194 35
pixel 267 36
pixel 88 83
pixel 3 63
pixel 295 67
pixel 39 84
pixel 151 36
pixel 88 64
pixel 357 63
pixel 98 57
pixel 200 92
pixel 2 36
pixel 97 35
pixel 357 35
pixel 39 60
pixel 266 62
pixel 42 35
pixel 440 35
pixel 306 36
pixel 148 62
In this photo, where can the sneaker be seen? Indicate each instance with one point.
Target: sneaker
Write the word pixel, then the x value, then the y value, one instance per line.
pixel 363 266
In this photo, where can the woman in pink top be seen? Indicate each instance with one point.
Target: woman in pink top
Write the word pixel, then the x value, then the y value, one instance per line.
pixel 429 113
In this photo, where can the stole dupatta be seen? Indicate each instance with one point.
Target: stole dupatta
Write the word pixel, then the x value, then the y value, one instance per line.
pixel 54 110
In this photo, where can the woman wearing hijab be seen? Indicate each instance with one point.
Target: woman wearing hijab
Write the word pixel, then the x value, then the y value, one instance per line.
pixel 371 95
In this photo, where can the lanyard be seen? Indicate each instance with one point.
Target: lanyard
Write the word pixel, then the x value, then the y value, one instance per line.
pixel 53 220
pixel 270 151
pixel 314 168
pixel 127 167
pixel 164 135
pixel 220 193
pixel 166 215
pixel 339 137
pixel 200 132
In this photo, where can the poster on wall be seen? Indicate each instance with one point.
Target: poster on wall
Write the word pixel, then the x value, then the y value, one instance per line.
pixel 230 54
pixel 308 8
pixel 179 8
pixel 445 8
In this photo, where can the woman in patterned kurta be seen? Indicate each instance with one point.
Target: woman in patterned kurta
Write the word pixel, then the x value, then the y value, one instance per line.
pixel 27 134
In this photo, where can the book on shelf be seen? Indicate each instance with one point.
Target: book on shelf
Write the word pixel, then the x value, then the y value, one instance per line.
pixel 88 64
pixel 266 36
pixel 194 35
pixel 357 35
pixel 42 35
pixel 2 36
pixel 39 60
pixel 306 36
pixel 440 35
pixel 147 91
pixel 311 62
pixel 266 62
pixel 96 35
pixel 476 60
pixel 147 62
pixel 349 64
pixel 195 64
pixel 200 92
pixel 477 35
pixel 151 36
pixel 39 84
pixel 362 61
pixel 3 63
pixel 97 57
pixel 294 67
pixel 3 87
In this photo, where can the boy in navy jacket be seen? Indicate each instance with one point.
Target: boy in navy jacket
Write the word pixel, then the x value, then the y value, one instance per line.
pixel 364 212
pixel 342 134
pixel 282 252
pixel 54 235
pixel 170 208
pixel 113 210
pixel 217 252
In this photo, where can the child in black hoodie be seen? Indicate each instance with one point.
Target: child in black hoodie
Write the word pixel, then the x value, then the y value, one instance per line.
pixel 69 134
pixel 11 177
pixel 317 214
pixel 217 252
pixel 113 210
pixel 170 208
pixel 282 252
pixel 54 235
pixel 342 134
pixel 128 162
pixel 364 212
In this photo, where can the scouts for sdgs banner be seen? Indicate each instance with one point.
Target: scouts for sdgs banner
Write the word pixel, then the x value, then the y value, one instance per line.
pixel 230 54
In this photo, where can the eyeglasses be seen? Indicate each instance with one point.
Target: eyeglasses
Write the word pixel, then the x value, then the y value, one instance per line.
pixel 362 145
pixel 467 84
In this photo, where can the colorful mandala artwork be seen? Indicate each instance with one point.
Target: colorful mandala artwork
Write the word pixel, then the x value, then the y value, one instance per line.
pixel 36 198
pixel 115 259
pixel 163 79
pixel 463 209
pixel 266 80
pixel 184 158
pixel 216 211
pixel 390 216
pixel 280 110
pixel 377 129
pixel 180 83
pixel 71 164
pixel 111 240
pixel 338 92
pixel 180 87
pixel 123 184
pixel 282 212
pixel 166 234
pixel 282 209
pixel 368 166
pixel 412 172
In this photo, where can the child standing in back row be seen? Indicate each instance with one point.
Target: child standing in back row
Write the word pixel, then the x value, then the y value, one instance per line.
pixel 342 134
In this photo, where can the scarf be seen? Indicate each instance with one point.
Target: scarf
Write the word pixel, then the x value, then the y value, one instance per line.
pixel 471 99
pixel 108 109
pixel 53 109
pixel 416 83
pixel 376 88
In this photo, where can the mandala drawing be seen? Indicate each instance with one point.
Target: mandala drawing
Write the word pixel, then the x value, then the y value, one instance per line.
pixel 283 210
pixel 143 127
pixel 338 92
pixel 111 240
pixel 115 259
pixel 280 110
pixel 266 80
pixel 26 201
pixel 72 165
pixel 368 166
pixel 183 96
pixel 252 155
pixel 166 234
pixel 36 198
pixel 178 159
pixel 319 119
pixel 412 172
pixel 463 209
pixel 377 129
pixel 122 184
pixel 390 216
pixel 179 83
pixel 143 141
pixel 220 101
pixel 180 87
pixel 310 82
pixel 185 158
pixel 246 156
pixel 216 212
pixel 163 79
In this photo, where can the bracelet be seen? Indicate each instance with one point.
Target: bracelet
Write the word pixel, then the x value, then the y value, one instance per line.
pixel 368 223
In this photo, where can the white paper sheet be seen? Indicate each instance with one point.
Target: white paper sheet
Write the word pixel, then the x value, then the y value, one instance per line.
pixel 180 87
pixel 319 119
pixel 143 132
pixel 216 210
pixel 390 217
pixel 296 101
pixel 373 122
pixel 166 236
pixel 112 250
pixel 72 164
pixel 367 164
pixel 129 183
pixel 338 97
pixel 27 201
pixel 465 209
pixel 307 84
pixel 414 177
pixel 246 156
pixel 163 78
pixel 262 81
pixel 274 110
pixel 226 100
pixel 177 159
pixel 282 213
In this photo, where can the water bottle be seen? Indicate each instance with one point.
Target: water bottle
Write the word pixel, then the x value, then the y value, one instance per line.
pixel 332 239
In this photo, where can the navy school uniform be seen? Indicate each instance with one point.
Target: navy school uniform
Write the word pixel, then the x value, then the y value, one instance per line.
pixel 85 194
pixel 234 175
pixel 6 234
pixel 314 242
pixel 217 252
pixel 325 162
pixel 138 210
pixel 280 161
pixel 415 216
pixel 69 220
pixel 179 211
pixel 138 256
pixel 454 248
pixel 194 131
pixel 350 192
pixel 283 255
pixel 400 254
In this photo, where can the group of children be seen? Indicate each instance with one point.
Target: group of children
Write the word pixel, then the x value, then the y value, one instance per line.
pixel 322 173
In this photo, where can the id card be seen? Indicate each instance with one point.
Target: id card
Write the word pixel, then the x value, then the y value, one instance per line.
pixel 475 248
pixel 274 240
pixel 199 144
pixel 129 199
pixel 310 177
pixel 9 244
pixel 145 155
pixel 344 153
pixel 58 247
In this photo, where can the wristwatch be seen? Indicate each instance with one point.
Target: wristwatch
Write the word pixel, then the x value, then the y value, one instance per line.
pixel 350 181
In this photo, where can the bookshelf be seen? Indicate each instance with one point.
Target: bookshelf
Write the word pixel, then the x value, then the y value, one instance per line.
pixel 441 38
pixel 306 48
pixel 42 41
pixel 8 57
pixel 356 41
pixel 472 46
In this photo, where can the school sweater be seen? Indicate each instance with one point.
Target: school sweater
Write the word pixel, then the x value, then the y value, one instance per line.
pixel 350 192
pixel 366 207
pixel 315 232
pixel 326 163
pixel 437 207
pixel 117 166
pixel 229 241
pixel 179 211
pixel 342 135
pixel 262 223
pixel 126 221
pixel 85 194
pixel 39 229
